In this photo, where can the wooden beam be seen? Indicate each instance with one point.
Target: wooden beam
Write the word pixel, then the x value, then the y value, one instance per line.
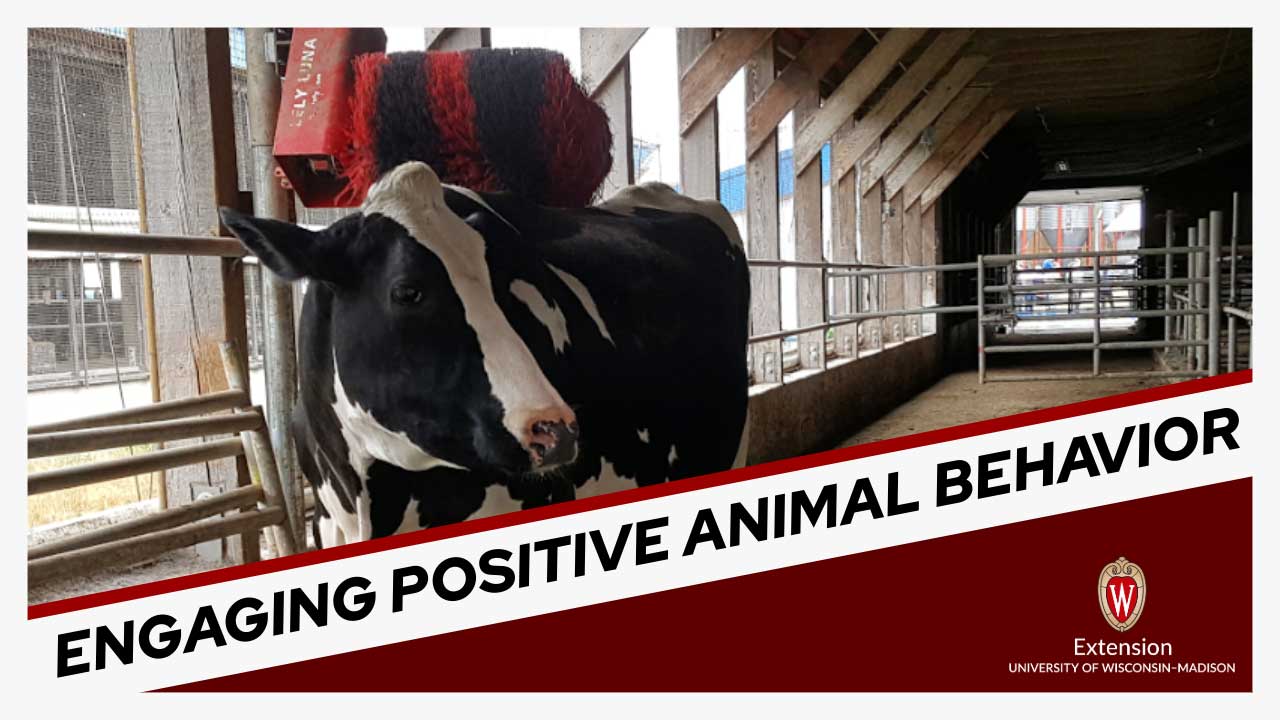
pixel 896 100
pixel 919 118
pixel 78 441
pixel 852 92
pixel 136 549
pixel 912 255
pixel 607 54
pixel 603 51
pixel 946 150
pixel 703 79
pixel 189 167
pixel 256 445
pixel 931 290
pixel 74 241
pixel 957 165
pixel 245 498
pixel 871 223
pixel 807 216
pixel 762 231
pixel 959 109
pixel 80 475
pixel 457 38
pixel 895 287
pixel 845 249
pixel 168 410
pixel 795 82
pixel 699 145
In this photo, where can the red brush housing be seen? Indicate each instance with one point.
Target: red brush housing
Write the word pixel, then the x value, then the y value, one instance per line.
pixel 312 129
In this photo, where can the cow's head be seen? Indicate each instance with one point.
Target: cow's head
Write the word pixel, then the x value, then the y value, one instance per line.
pixel 427 368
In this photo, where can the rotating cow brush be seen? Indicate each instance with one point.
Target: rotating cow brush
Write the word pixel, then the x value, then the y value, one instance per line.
pixel 488 120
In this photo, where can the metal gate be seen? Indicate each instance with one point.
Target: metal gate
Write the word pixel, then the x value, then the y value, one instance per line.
pixel 1091 287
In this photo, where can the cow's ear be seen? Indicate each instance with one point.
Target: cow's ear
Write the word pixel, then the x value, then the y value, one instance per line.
pixel 290 251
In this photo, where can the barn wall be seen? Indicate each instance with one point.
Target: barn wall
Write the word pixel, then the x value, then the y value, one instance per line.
pixel 818 411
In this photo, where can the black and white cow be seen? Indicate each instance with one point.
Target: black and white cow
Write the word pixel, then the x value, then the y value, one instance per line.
pixel 464 355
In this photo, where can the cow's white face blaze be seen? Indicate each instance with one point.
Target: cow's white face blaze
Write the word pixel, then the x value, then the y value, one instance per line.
pixel 427 370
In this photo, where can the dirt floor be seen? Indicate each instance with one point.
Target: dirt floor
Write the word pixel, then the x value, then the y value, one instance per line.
pixel 958 398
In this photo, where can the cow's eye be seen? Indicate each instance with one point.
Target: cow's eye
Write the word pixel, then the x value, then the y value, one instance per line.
pixel 406 295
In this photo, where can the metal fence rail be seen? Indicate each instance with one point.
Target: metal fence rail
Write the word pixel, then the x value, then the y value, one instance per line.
pixel 1103 285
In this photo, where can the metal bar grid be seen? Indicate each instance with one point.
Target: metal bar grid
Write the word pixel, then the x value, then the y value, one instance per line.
pixel 1195 313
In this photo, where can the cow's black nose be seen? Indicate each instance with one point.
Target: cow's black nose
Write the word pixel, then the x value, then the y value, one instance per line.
pixel 554 443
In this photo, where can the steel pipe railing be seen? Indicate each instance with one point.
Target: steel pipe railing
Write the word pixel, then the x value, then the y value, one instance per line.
pixel 134 243
pixel 1091 292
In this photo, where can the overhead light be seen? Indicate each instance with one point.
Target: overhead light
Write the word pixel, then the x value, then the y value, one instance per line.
pixel 1062 166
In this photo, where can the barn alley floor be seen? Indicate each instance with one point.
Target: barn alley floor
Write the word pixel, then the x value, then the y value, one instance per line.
pixel 958 398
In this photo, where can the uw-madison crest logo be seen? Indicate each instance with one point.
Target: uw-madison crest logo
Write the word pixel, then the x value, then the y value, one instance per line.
pixel 1122 592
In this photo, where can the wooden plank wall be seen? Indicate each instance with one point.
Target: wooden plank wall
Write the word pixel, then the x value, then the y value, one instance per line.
pixel 807 212
pixel 189 166
pixel 762 230
pixel 699 140
pixel 902 124
pixel 606 75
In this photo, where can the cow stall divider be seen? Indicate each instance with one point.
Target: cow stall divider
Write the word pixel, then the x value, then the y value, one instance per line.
pixel 1078 286
pixel 226 421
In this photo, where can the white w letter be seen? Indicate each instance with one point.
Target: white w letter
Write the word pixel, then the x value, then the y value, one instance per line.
pixel 1120 599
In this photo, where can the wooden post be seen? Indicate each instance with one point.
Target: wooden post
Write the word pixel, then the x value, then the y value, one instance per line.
pixel 762 230
pixel 699 156
pixel 807 214
pixel 893 255
pixel 606 73
pixel 270 200
pixel 257 445
pixel 932 255
pixel 872 251
pixel 911 255
pixel 844 249
pixel 189 168
pixel 148 298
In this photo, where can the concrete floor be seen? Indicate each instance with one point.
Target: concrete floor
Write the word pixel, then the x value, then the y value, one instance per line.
pixel 958 398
